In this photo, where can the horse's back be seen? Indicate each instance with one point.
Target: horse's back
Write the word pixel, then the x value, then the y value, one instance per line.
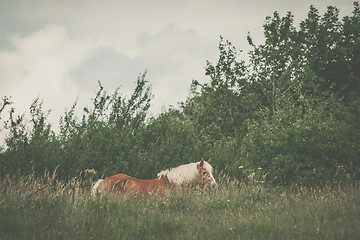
pixel 122 183
pixel 119 177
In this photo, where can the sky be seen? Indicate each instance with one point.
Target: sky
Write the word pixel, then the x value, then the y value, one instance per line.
pixel 58 50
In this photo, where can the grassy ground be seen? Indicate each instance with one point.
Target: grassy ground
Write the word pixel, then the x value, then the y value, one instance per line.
pixel 32 208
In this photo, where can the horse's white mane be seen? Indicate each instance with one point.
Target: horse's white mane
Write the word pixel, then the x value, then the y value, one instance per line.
pixel 184 174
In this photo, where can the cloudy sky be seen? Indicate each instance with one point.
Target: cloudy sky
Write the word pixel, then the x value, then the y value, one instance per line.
pixel 58 49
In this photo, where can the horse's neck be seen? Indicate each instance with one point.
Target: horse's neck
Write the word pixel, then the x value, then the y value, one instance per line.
pixel 163 180
pixel 185 174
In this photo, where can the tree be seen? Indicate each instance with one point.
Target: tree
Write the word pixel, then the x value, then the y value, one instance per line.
pixel 218 107
pixel 305 127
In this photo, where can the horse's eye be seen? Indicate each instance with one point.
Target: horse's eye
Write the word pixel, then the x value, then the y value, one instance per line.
pixel 203 173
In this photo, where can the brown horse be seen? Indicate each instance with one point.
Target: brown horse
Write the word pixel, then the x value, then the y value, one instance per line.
pixel 199 173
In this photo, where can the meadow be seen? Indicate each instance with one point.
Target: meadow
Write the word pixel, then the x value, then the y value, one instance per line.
pixel 46 208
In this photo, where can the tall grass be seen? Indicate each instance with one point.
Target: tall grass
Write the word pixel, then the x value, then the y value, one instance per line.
pixel 44 208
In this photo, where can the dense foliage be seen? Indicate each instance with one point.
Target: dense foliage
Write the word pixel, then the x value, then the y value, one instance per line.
pixel 289 115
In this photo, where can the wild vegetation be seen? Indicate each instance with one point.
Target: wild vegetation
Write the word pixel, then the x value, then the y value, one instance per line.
pixel 283 126
pixel 43 208
pixel 292 111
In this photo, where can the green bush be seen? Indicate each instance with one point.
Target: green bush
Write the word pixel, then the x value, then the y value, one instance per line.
pixel 305 145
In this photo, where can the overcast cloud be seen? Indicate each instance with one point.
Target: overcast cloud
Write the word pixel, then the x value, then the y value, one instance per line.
pixel 58 50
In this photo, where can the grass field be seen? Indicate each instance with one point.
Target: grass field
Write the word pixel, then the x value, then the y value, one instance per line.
pixel 43 208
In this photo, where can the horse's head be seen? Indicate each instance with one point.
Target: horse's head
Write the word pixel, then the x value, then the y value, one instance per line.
pixel 205 173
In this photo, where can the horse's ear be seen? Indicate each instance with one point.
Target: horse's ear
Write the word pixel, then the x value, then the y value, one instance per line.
pixel 201 162
pixel 208 161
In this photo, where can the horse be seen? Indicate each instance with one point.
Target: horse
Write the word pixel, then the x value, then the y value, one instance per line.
pixel 198 173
